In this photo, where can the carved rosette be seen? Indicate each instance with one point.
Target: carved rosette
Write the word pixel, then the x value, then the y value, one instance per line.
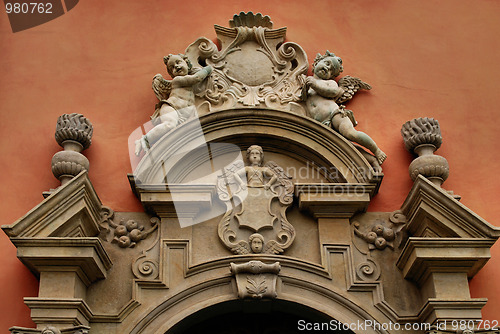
pixel 254 68
pixel 255 279
pixel 73 134
pixel 422 136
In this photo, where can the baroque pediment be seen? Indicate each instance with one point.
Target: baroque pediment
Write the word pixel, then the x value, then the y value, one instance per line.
pixel 73 210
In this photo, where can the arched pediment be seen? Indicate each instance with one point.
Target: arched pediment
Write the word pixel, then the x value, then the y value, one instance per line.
pixel 221 136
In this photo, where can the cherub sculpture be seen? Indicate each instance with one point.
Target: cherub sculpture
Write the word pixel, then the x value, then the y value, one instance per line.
pixel 176 98
pixel 325 97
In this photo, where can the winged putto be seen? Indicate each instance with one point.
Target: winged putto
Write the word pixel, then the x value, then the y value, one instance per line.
pixel 325 100
pixel 176 98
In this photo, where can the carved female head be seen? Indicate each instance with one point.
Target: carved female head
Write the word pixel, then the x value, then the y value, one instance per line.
pixel 256 242
pixel 327 66
pixel 177 65
pixel 255 155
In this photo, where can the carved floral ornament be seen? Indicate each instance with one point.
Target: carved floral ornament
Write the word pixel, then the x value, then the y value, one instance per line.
pixel 125 233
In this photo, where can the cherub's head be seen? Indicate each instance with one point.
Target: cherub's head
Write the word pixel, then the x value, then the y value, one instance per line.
pixel 327 66
pixel 255 155
pixel 177 65
pixel 256 242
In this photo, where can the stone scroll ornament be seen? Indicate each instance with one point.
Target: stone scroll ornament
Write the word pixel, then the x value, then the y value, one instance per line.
pixel 325 99
pixel 254 67
pixel 255 279
pixel 256 197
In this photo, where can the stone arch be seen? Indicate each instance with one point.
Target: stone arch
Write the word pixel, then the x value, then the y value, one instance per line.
pixel 255 316
pixel 217 296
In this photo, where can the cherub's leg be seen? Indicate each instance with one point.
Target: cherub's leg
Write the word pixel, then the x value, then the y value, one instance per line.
pixel 346 129
pixel 168 121
pixel 141 144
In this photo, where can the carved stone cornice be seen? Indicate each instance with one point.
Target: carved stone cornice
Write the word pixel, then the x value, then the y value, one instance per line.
pixel 73 210
pixel 437 311
pixel 296 136
pixel 70 311
pixel 334 200
pixel 84 256
pixel 422 256
pixel 433 212
pixel 67 330
pixel 183 201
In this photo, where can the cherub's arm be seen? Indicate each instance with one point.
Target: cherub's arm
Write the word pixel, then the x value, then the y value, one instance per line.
pixel 192 79
pixel 326 88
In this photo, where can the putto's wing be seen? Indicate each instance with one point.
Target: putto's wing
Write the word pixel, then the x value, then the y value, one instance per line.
pixel 350 85
pixel 161 87
pixel 272 247
pixel 241 248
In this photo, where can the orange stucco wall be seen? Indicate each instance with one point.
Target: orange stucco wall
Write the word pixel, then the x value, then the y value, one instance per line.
pixel 423 58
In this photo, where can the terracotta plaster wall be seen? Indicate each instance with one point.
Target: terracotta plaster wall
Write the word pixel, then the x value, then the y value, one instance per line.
pixel 423 58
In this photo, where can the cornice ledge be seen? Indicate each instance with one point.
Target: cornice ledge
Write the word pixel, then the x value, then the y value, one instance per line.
pixel 422 256
pixel 76 311
pixel 446 309
pixel 72 210
pixel 334 200
pixel 85 256
pixel 183 201
pixel 430 208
